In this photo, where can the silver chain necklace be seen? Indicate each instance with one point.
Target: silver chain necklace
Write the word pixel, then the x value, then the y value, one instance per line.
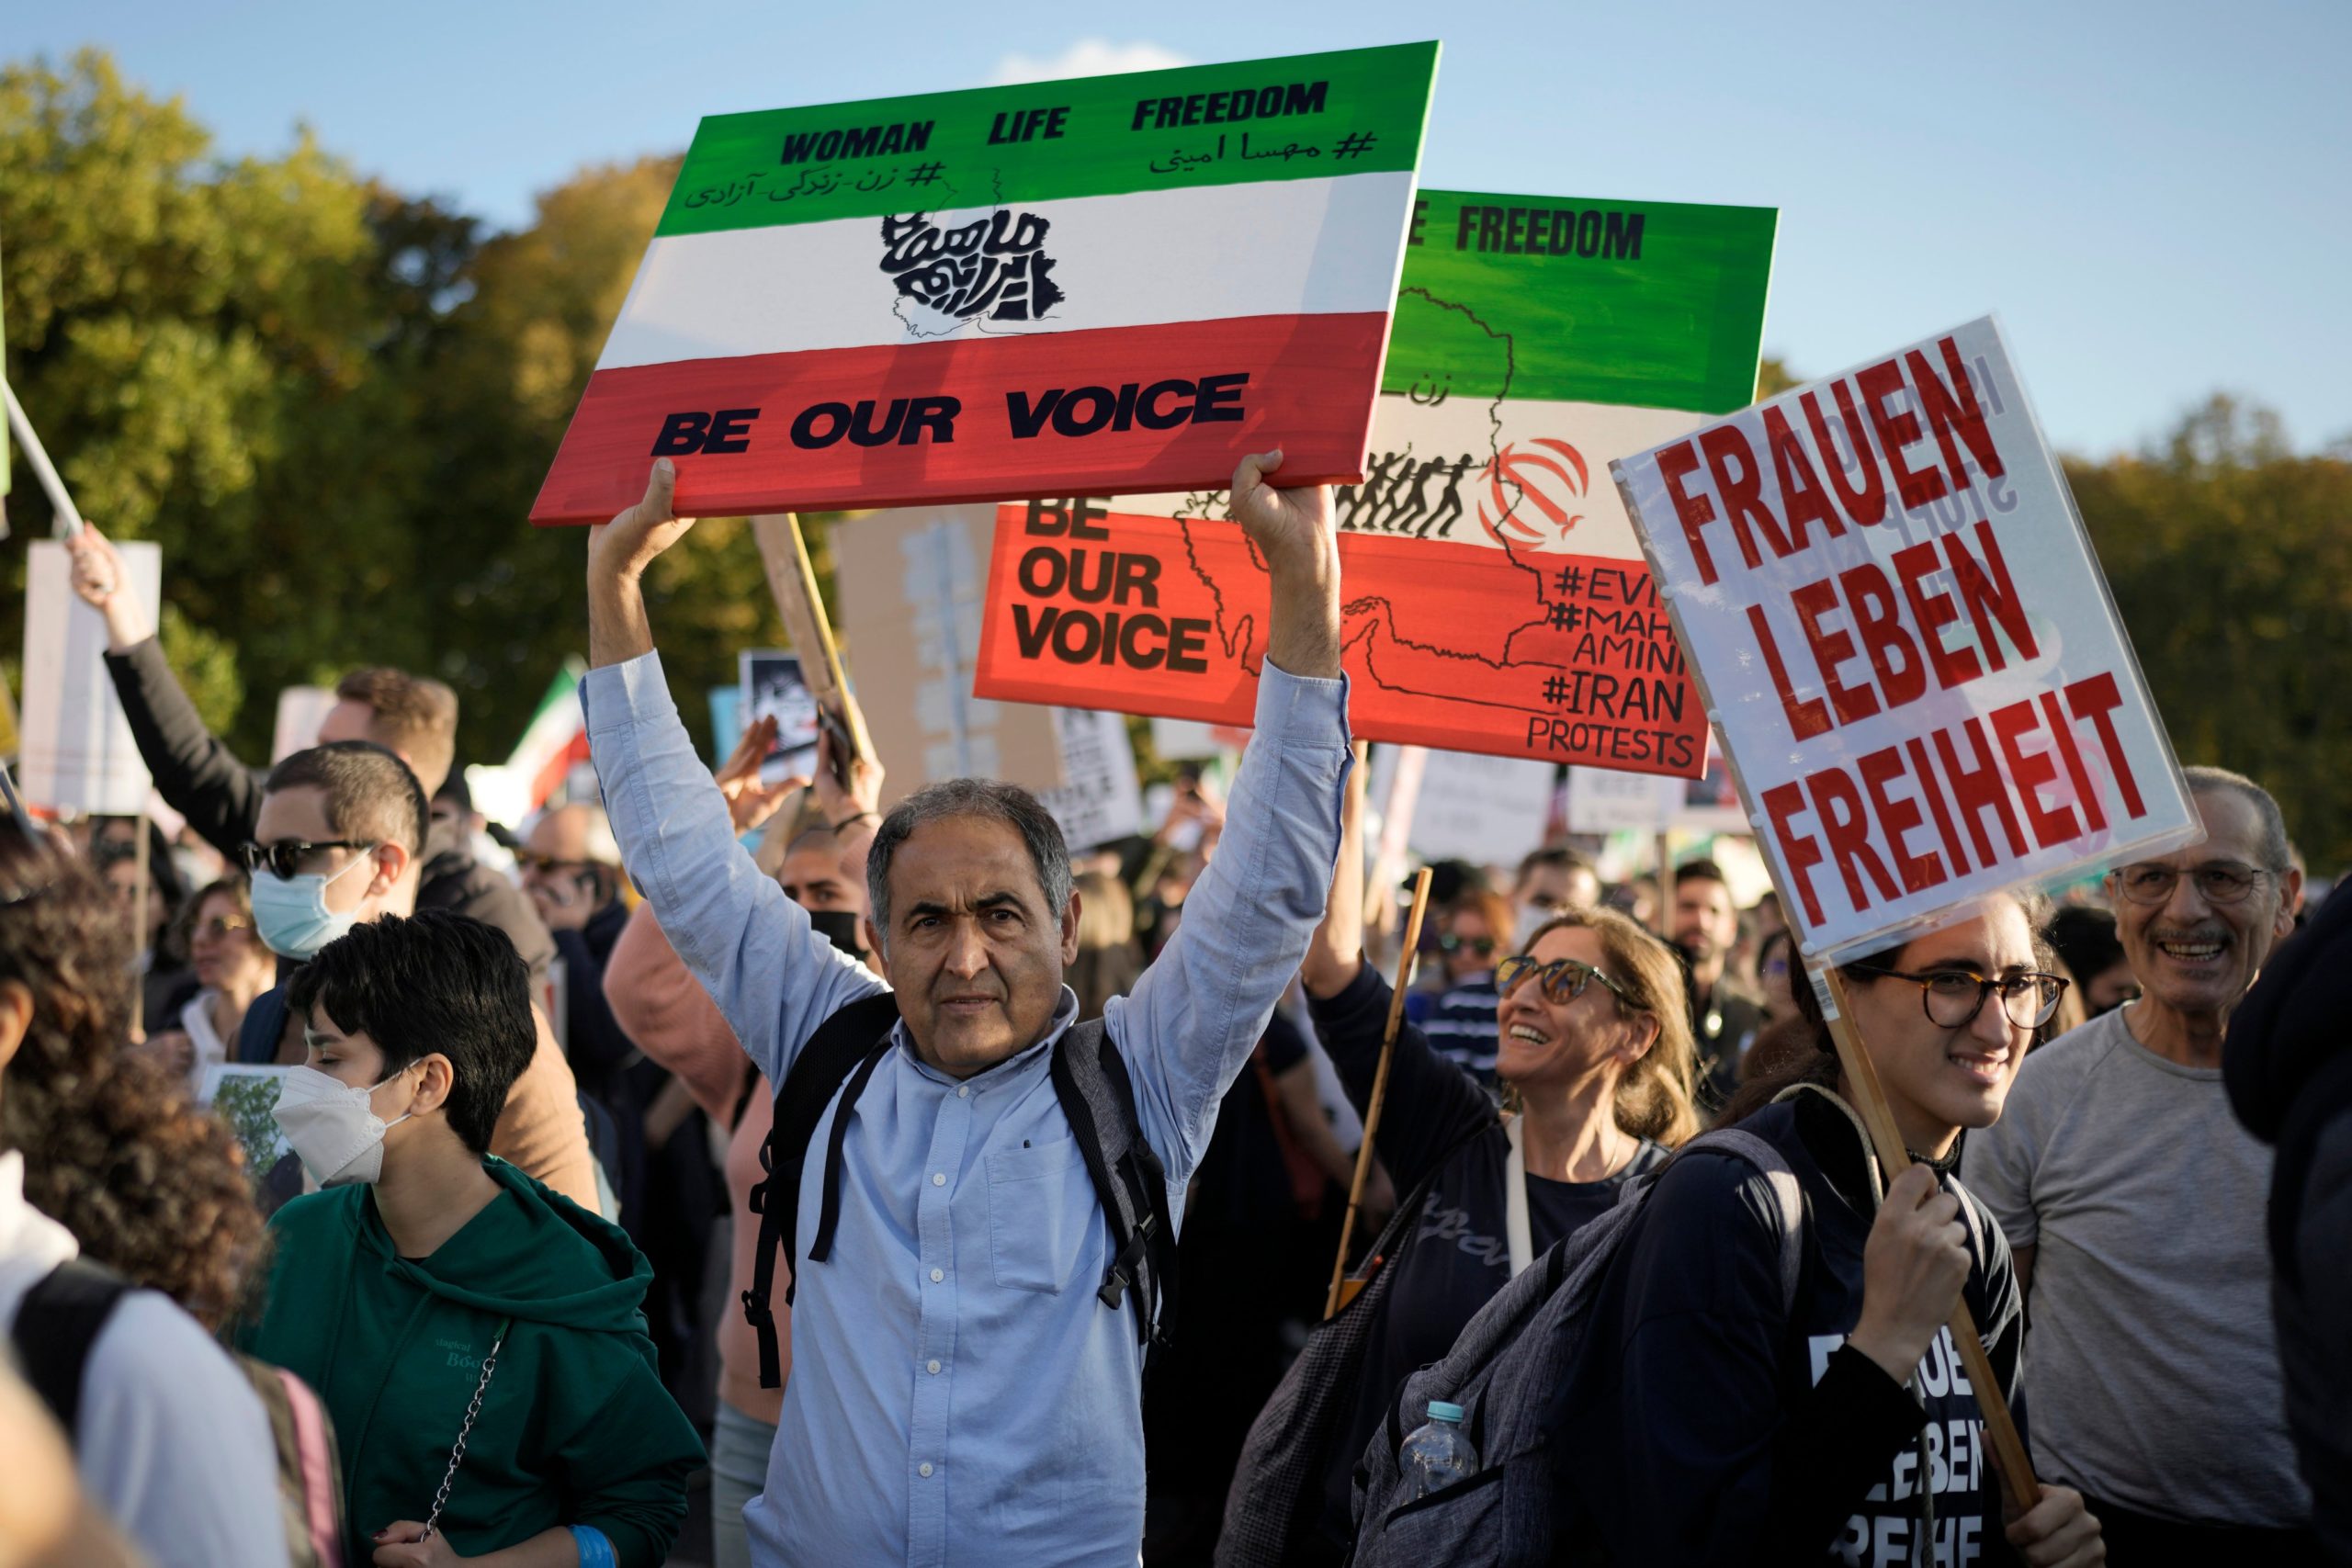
pixel 458 1449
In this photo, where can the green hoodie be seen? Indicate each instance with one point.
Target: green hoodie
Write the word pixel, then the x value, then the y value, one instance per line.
pixel 576 1428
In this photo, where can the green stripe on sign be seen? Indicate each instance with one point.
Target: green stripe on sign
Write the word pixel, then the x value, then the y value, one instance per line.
pixel 1305 116
pixel 1582 299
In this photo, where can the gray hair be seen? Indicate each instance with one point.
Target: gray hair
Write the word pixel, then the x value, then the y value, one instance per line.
pixel 2276 853
pixel 988 798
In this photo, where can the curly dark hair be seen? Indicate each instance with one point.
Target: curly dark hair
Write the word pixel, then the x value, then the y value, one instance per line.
pixel 148 1183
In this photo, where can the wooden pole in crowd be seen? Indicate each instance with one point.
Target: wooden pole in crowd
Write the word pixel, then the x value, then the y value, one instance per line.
pixel 1331 1299
pixel 140 898
pixel 1662 910
pixel 2010 1455
pixel 793 579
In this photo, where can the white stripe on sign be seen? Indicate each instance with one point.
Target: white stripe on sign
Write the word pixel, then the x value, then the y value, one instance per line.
pixel 1120 260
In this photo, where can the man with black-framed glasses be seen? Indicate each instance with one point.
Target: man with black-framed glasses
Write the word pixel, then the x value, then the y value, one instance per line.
pixel 2133 1203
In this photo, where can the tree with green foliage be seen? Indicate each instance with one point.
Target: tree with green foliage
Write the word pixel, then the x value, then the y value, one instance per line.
pixel 2231 560
pixel 331 404
pixel 193 337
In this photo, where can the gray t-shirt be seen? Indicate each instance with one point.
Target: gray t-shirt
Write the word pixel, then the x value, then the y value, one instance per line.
pixel 2150 1362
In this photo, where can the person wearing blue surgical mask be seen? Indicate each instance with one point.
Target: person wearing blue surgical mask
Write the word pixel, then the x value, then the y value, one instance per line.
pixel 291 909
pixel 321 861
pixel 339 844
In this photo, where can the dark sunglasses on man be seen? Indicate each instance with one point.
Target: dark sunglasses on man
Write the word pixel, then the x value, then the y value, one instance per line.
pixel 283 858
pixel 1482 945
pixel 548 865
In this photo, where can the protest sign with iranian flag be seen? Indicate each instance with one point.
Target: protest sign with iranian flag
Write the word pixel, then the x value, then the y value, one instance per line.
pixel 1906 643
pixel 1113 284
pixel 1496 597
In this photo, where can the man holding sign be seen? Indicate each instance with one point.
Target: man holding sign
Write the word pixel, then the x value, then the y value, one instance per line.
pixel 955 1365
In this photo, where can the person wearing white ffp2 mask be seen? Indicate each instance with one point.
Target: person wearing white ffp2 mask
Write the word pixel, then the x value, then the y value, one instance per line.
pixel 332 1125
pixel 1550 882
pixel 463 1323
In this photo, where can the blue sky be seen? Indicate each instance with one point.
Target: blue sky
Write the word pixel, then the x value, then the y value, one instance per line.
pixel 2156 196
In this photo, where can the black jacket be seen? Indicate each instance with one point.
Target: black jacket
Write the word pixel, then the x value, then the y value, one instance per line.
pixel 1712 1429
pixel 221 797
pixel 2288 1064
pixel 600 1050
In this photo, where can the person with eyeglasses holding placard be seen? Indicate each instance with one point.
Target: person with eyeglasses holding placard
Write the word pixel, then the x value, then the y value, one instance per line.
pixel 1768 1375
pixel 2133 1201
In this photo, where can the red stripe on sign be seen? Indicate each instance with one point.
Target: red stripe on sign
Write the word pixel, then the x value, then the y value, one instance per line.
pixel 1560 658
pixel 1112 410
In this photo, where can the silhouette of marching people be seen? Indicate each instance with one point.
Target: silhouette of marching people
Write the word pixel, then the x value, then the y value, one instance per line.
pixel 1396 494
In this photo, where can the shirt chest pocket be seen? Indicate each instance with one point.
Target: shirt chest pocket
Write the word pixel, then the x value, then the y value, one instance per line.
pixel 1040 1206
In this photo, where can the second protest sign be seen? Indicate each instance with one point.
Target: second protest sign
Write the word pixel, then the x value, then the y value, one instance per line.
pixel 1905 642
pixel 1495 599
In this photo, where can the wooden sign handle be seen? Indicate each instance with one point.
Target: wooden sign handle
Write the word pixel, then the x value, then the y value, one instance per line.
pixel 2009 1454
pixel 144 896
pixel 793 580
pixel 1331 1299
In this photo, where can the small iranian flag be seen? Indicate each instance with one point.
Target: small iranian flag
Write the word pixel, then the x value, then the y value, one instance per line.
pixel 556 738
pixel 1093 287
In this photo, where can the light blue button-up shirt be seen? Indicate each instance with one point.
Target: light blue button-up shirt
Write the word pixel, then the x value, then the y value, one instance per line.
pixel 958 1392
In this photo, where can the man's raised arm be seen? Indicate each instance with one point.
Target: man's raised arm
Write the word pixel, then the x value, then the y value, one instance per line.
pixel 1198 1010
pixel 774 979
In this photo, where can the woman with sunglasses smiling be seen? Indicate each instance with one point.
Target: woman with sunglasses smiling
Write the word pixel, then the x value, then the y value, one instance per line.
pixel 1596 1054
pixel 1722 1422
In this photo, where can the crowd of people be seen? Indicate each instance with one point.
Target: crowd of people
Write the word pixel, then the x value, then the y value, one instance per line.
pixel 841 1175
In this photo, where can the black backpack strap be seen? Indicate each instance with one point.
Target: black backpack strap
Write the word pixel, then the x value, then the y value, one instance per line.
pixel 57 1322
pixel 831 1053
pixel 1788 1195
pixel 1098 1097
pixel 829 1211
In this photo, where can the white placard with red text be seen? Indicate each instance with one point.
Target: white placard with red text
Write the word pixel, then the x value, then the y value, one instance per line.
pixel 1906 644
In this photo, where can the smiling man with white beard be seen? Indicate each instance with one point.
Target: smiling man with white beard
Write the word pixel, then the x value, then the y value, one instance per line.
pixel 2134 1204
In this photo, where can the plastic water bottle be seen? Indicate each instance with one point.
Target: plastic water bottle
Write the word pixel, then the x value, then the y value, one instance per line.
pixel 1438 1453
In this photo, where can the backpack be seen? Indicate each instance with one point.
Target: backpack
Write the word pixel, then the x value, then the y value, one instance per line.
pixel 1090 1081
pixel 61 1318
pixel 1507 1370
pixel 1276 1500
